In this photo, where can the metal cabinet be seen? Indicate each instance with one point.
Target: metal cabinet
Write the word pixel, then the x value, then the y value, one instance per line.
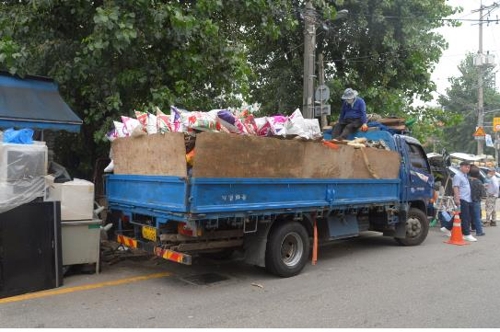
pixel 30 248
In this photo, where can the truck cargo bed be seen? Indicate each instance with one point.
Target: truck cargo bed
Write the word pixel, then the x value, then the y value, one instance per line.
pixel 272 198
pixel 237 175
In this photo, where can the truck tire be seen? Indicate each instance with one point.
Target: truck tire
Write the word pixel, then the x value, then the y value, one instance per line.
pixel 287 249
pixel 417 227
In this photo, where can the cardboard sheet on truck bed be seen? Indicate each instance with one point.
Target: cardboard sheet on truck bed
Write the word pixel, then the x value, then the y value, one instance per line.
pixel 237 156
pixel 150 155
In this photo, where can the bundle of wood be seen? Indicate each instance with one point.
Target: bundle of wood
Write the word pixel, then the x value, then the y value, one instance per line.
pixel 363 142
pixel 396 124
pixel 393 123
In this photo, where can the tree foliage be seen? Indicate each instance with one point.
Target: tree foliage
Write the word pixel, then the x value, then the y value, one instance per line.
pixel 384 49
pixel 461 101
pixel 111 57
pixel 390 44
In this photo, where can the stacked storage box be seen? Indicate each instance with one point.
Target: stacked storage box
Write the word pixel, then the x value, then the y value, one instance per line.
pixel 80 231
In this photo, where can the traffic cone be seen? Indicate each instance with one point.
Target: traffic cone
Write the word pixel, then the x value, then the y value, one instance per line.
pixel 456 237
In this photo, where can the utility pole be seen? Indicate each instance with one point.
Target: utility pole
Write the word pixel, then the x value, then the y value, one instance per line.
pixel 309 51
pixel 321 75
pixel 480 97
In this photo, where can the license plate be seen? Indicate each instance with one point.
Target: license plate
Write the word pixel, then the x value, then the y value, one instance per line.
pixel 149 233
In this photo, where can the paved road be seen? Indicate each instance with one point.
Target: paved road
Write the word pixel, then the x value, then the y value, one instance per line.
pixel 361 283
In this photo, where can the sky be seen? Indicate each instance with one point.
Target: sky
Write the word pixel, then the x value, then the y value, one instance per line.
pixel 465 39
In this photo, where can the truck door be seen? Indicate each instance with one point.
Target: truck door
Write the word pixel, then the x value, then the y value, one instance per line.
pixel 416 172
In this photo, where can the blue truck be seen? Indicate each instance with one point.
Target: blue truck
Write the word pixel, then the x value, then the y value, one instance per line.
pixel 276 200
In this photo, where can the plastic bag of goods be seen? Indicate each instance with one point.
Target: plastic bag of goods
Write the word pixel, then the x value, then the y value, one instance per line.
pixel 248 121
pixel 230 122
pixel 163 121
pixel 151 124
pixel 295 125
pixel 277 123
pixel 178 120
pixel 134 127
pixel 263 126
pixel 112 135
pixel 202 121
pixel 22 136
pixel 312 128
pixel 120 129
pixel 142 117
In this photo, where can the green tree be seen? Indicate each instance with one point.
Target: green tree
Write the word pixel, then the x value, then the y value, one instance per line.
pixel 111 57
pixel 461 100
pixel 431 124
pixel 384 49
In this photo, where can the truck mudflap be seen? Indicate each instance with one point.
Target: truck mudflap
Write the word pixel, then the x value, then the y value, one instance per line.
pixel 173 256
pixel 167 254
pixel 127 241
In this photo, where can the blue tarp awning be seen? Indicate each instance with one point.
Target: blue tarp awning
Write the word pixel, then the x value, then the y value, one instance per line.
pixel 34 102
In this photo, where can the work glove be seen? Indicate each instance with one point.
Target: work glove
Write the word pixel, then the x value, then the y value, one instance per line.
pixel 364 127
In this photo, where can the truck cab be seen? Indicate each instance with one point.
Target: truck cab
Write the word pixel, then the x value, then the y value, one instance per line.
pixel 415 171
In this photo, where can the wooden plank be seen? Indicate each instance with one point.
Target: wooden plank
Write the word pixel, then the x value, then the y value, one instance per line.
pixel 392 121
pixel 226 155
pixel 158 154
pixel 385 164
pixel 347 162
pixel 236 156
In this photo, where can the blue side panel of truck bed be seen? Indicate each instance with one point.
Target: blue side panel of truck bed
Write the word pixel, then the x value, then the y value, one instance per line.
pixel 223 197
pixel 251 195
pixel 152 193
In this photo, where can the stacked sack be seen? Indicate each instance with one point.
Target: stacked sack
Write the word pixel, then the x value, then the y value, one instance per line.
pixel 238 121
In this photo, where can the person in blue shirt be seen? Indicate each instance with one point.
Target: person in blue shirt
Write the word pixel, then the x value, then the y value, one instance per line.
pixel 352 115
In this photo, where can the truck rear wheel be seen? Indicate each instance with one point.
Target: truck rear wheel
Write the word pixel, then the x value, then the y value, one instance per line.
pixel 287 249
pixel 417 227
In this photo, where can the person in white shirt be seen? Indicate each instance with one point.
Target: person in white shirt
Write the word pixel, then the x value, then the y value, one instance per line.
pixel 491 198
pixel 463 200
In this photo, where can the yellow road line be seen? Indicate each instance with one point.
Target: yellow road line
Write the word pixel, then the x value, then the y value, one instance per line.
pixel 60 291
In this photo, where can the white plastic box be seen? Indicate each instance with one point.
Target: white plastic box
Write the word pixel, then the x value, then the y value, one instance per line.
pixel 77 198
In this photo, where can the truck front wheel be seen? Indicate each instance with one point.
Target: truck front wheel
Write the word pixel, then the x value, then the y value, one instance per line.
pixel 287 249
pixel 417 227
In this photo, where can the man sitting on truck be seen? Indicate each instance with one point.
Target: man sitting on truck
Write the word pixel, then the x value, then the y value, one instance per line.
pixel 352 115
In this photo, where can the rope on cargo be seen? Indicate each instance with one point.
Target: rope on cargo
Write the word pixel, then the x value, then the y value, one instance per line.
pixel 367 164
